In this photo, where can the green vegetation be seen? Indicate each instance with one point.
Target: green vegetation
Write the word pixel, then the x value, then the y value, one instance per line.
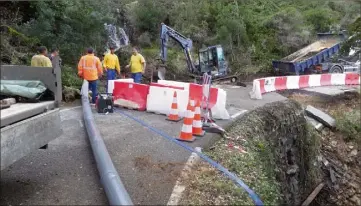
pixel 348 123
pixel 69 79
pixel 252 32
pixel 207 185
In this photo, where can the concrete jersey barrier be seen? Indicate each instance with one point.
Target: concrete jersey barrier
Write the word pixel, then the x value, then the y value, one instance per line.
pixel 271 84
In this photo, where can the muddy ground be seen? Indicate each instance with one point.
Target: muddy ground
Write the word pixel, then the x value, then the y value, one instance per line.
pixel 283 158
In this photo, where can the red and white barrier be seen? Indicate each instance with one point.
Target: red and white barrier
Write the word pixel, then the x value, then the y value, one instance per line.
pixel 270 84
pixel 184 85
pixel 111 83
pixel 161 95
pixel 158 97
pixel 130 95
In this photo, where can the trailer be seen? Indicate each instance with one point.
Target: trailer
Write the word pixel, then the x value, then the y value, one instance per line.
pixel 25 126
pixel 313 58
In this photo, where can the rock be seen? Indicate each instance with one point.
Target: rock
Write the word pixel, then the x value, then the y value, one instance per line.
pixel 70 94
pixel 292 170
pixel 333 143
pixel 332 176
pixel 353 153
pixel 354 185
pixel 320 116
pixel 356 200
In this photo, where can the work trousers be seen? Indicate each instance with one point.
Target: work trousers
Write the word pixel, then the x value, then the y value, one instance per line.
pixel 93 88
pixel 137 77
pixel 111 75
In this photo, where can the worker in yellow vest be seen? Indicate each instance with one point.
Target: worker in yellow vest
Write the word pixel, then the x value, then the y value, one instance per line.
pixel 41 59
pixel 137 65
pixel 111 65
pixel 90 69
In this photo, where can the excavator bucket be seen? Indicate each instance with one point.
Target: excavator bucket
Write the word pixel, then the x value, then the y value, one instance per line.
pixel 161 73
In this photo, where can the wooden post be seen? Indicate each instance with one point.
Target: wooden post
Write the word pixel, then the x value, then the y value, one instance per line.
pixel 313 194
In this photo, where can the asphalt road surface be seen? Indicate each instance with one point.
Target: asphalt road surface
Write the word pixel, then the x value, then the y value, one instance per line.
pixel 148 164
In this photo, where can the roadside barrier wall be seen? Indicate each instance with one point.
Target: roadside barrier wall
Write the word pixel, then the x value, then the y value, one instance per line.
pixel 271 84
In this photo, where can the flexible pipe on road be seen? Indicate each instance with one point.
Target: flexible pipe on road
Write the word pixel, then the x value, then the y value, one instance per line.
pixel 257 201
pixel 113 186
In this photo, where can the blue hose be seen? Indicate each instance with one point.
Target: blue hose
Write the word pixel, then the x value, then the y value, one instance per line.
pixel 257 201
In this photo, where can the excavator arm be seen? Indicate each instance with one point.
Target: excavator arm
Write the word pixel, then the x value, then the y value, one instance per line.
pixel 184 42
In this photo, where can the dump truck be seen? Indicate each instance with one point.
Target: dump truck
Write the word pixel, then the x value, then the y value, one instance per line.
pixel 316 57
pixel 29 124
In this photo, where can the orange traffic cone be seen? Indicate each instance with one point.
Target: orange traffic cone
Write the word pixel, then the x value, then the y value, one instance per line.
pixel 197 122
pixel 186 133
pixel 173 115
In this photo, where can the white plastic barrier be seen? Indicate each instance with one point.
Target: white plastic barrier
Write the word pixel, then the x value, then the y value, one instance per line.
pixel 160 99
pixel 219 110
pixel 111 83
pixel 174 83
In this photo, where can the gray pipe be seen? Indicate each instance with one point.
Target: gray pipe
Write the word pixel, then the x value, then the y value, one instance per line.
pixel 113 186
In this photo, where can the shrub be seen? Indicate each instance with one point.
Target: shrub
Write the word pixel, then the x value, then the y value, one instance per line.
pixel 69 77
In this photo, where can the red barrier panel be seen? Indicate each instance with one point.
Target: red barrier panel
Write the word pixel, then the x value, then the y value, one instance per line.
pixel 303 81
pixel 352 79
pixel 131 95
pixel 261 84
pixel 326 79
pixel 164 85
pixel 281 83
pixel 196 91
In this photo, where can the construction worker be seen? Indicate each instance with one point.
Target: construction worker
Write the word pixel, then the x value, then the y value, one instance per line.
pixel 41 59
pixel 137 65
pixel 90 69
pixel 111 65
pixel 54 53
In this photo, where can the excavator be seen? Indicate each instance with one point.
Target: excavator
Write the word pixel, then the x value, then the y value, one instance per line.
pixel 211 59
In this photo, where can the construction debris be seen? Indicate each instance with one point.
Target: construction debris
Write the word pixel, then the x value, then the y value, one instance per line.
pixel 316 124
pixel 320 116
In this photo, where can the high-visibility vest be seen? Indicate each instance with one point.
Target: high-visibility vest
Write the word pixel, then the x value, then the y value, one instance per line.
pixel 89 67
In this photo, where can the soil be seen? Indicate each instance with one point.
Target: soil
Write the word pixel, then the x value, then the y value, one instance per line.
pixel 146 163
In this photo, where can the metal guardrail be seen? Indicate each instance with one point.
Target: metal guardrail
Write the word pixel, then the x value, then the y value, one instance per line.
pixel 113 186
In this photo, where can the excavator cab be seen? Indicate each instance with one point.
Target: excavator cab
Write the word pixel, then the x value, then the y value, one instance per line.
pixel 212 61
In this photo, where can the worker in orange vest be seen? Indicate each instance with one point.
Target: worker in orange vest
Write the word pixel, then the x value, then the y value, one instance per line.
pixel 90 69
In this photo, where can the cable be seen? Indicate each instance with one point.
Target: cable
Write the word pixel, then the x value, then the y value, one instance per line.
pixel 257 201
